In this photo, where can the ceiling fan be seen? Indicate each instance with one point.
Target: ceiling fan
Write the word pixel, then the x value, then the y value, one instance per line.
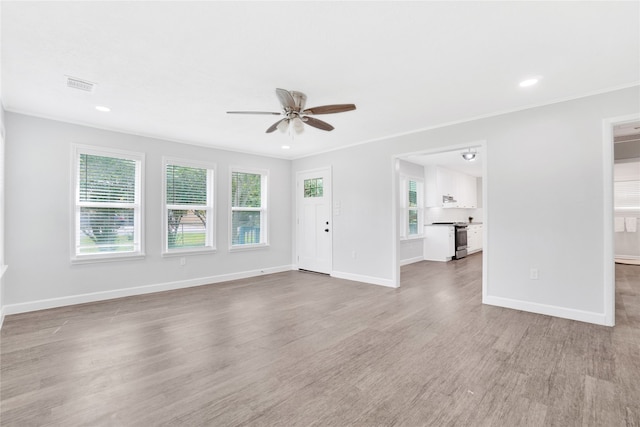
pixel 294 112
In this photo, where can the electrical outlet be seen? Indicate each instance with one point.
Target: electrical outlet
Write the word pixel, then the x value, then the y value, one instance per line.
pixel 533 274
pixel 353 254
pixel 183 261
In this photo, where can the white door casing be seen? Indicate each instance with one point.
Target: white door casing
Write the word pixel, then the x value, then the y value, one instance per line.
pixel 314 221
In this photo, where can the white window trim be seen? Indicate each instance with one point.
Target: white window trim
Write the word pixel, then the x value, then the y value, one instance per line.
pixel 211 217
pixel 404 207
pixel 76 151
pixel 264 218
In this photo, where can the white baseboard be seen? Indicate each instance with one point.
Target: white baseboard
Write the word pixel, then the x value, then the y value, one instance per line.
pixel 1 316
pixel 365 279
pixel 138 290
pixel 549 310
pixel 411 260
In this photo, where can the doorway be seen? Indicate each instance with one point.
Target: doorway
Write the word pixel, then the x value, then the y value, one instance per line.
pixel 626 198
pixel 314 221
pixel 467 207
pixel 615 131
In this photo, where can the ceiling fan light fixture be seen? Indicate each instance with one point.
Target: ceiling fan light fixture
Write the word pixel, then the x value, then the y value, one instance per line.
pixel 283 125
pixel 298 125
pixel 469 155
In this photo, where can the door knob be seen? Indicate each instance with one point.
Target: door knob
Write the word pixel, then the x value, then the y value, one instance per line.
pixel 326 230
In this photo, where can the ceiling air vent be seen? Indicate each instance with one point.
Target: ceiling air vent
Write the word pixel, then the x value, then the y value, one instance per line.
pixel 80 84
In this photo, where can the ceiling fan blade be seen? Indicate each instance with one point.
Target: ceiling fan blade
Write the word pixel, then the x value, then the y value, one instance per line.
pixel 317 123
pixel 274 126
pixel 286 99
pixel 330 109
pixel 254 112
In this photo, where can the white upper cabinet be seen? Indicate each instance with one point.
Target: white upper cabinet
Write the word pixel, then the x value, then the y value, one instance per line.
pixel 446 188
pixel 467 191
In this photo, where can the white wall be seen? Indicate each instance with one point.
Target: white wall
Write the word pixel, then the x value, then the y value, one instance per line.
pixel 38 155
pixel 545 204
pixel 362 182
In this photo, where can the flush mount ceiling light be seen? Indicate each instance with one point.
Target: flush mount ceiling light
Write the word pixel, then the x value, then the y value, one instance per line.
pixel 469 155
pixel 103 108
pixel 529 82
pixel 285 147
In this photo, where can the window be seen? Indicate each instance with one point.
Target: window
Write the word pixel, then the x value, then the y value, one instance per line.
pixel 107 204
pixel 626 186
pixel 411 200
pixel 188 207
pixel 248 208
pixel 313 187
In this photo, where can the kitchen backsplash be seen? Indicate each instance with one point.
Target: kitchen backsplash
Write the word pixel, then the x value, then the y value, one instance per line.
pixel 451 215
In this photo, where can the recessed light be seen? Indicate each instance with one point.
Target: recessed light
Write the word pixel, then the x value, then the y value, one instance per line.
pixel 285 147
pixel 103 108
pixel 529 82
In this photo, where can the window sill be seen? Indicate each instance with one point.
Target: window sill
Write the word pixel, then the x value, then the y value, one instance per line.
pixel 241 248
pixel 184 252
pixel 92 259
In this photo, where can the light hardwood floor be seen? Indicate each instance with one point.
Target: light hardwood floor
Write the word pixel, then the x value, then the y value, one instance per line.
pixel 297 348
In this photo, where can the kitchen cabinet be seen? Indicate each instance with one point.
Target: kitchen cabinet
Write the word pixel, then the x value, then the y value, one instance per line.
pixel 441 183
pixel 467 191
pixel 439 242
pixel 474 238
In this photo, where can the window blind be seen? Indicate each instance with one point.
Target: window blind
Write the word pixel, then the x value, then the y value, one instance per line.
pixel 627 195
pixel 106 179
pixel 186 185
pixel 246 189
pixel 107 205
pixel 248 210
pixel 189 207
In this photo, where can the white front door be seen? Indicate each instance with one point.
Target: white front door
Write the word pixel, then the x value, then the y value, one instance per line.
pixel 315 228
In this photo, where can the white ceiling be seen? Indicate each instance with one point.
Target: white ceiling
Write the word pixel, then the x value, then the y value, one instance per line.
pixel 172 69
pixel 451 160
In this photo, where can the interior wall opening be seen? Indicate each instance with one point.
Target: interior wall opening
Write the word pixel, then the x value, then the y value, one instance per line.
pixel 440 206
pixel 626 193
pixel 621 158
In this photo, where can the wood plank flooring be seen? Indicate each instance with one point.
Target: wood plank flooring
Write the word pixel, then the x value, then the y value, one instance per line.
pixel 301 349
